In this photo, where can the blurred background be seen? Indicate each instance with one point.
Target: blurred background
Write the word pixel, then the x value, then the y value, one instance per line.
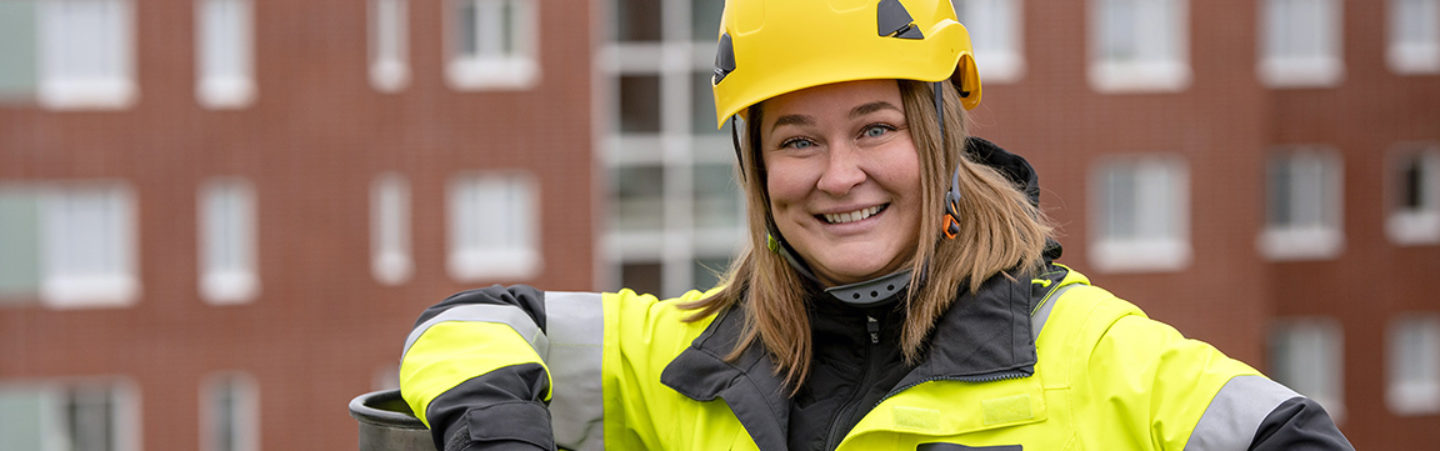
pixel 219 218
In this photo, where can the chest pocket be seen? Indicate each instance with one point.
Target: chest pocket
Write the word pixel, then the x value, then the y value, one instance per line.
pixel 958 447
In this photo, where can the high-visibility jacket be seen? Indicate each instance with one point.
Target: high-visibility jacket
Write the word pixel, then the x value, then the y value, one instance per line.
pixel 1049 363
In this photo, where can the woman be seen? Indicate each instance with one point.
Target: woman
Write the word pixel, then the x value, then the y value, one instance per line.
pixel 897 292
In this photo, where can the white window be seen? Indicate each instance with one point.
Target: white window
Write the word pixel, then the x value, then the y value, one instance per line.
pixel 1300 43
pixel 1303 205
pixel 995 31
pixel 93 415
pixel 227 247
pixel 390 229
pixel 86 57
pixel 1413 367
pixel 1307 355
pixel 493 44
pixel 1414 27
pixel 89 246
pixel 18 45
pixel 1415 212
pixel 494 226
pixel 223 53
pixel 1141 220
pixel 389 45
pixel 230 413
pixel 1139 45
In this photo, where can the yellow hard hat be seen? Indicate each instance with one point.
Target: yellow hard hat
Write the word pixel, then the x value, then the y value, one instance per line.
pixel 768 48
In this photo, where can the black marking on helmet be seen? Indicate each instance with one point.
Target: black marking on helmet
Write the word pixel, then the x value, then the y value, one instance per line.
pixel 892 20
pixel 724 59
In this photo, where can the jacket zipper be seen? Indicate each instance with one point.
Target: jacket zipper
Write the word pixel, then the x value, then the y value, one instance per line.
pixel 872 328
pixel 979 378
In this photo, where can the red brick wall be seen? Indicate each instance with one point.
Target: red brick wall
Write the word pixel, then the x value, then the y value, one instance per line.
pixel 311 143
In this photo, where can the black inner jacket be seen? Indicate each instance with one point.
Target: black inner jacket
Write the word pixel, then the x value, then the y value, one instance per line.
pixel 856 362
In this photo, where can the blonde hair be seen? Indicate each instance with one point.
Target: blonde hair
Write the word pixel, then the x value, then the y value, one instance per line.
pixel 999 230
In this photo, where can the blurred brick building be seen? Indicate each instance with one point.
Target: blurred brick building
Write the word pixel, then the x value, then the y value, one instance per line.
pixel 218 217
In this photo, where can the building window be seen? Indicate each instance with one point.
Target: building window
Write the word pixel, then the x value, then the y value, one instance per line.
pixel 224 55
pixel 1139 45
pixel 494 226
pixel 230 413
pixel 1307 356
pixel 1300 44
pixel 1303 205
pixel 1414 365
pixel 227 247
pixel 390 229
pixel 389 44
pixel 1415 208
pixel 86 55
pixel 995 30
pixel 72 245
pixel 494 44
pixel 76 416
pixel 1414 46
pixel 670 172
pixel 89 246
pixel 18 45
pixel 1142 214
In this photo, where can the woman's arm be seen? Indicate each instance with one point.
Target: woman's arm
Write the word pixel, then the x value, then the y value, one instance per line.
pixel 481 368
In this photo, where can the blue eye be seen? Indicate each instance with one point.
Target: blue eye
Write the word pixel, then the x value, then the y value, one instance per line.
pixel 876 131
pixel 798 143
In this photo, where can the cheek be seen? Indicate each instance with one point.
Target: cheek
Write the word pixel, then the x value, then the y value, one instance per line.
pixel 785 181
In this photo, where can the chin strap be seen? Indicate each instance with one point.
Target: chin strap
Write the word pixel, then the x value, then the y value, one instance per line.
pixel 952 197
pixel 870 292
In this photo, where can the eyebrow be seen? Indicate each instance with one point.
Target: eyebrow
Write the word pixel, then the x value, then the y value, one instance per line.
pixel 871 108
pixel 792 119
pixel 800 119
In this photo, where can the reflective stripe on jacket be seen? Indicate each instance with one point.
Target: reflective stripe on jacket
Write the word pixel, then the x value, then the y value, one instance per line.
pixel 1072 368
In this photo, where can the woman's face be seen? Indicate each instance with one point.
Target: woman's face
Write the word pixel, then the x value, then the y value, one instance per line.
pixel 844 178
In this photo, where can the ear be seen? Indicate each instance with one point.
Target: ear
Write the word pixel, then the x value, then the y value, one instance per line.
pixel 967 80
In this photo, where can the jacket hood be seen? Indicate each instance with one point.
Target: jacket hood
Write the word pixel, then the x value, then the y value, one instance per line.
pixel 1018 170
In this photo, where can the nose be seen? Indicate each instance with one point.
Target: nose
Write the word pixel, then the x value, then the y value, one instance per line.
pixel 843 170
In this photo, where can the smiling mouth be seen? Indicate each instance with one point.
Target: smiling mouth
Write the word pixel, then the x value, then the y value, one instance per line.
pixel 843 218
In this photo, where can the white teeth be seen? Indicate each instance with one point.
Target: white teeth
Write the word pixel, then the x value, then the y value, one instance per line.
pixel 841 218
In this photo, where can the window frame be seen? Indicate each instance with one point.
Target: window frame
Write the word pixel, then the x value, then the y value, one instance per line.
pixel 1408 57
pixel 1284 71
pixel 59 87
pixel 1321 241
pixel 1403 395
pixel 63 286
pixel 228 281
pixel 1330 373
pixel 389 49
pixel 246 417
pixel 1168 73
pixel 214 88
pixel 391 262
pixel 470 258
pixel 515 71
pixel 1419 226
pixel 1166 252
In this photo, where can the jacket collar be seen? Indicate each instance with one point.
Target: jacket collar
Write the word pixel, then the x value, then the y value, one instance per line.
pixel 986 336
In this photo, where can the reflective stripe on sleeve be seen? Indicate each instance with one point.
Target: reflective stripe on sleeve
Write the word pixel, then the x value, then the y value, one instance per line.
pixel 1235 414
pixel 508 315
pixel 575 322
pixel 1037 319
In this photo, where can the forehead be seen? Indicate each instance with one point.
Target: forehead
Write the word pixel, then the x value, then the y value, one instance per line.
pixel 832 99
